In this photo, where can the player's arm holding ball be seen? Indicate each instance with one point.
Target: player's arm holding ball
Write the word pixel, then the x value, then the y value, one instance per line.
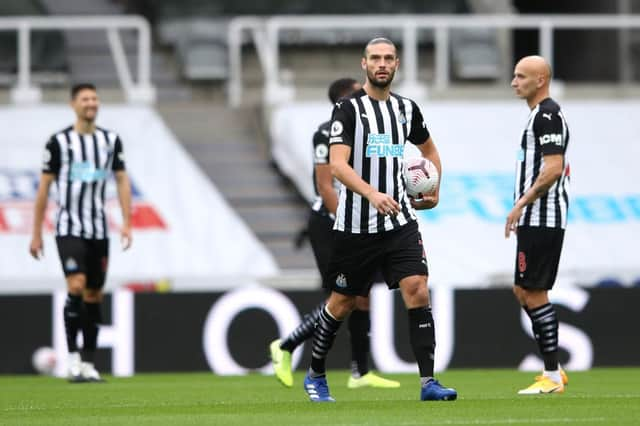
pixel 340 145
pixel 421 138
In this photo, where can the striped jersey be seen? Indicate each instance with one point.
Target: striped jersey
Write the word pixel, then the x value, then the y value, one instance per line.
pixel 321 157
pixel 376 131
pixel 81 164
pixel 546 133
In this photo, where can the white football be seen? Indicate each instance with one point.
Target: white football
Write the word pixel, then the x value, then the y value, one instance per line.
pixel 421 176
pixel 44 360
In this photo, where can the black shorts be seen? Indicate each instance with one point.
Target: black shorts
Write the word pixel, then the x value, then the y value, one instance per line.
pixel 538 256
pixel 82 256
pixel 321 237
pixel 356 259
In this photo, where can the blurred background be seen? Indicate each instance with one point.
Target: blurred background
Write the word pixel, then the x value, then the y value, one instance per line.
pixel 216 103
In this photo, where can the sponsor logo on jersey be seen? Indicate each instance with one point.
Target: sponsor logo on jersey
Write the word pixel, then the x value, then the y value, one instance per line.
pixel 86 172
pixel 554 138
pixel 379 145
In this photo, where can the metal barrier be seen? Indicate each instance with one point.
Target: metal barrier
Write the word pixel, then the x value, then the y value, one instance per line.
pixel 266 32
pixel 140 91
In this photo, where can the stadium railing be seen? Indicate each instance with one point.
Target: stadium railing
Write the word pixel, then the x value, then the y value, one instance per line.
pixel 135 91
pixel 265 32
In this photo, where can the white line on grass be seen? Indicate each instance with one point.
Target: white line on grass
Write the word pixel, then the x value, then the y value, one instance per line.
pixel 510 421
pixel 563 396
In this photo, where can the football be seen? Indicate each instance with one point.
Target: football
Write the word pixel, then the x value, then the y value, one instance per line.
pixel 421 176
pixel 44 360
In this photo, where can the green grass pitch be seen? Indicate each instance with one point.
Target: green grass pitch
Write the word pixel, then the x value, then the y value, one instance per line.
pixel 486 397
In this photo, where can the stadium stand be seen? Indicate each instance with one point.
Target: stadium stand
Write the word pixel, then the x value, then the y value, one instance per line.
pixel 48 48
pixel 197 31
pixel 89 55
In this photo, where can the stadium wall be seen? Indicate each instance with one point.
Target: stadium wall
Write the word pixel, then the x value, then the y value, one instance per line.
pixel 228 333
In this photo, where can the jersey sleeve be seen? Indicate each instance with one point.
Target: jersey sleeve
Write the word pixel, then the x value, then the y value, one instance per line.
pixel 419 132
pixel 321 146
pixel 118 156
pixel 342 124
pixel 548 132
pixel 51 157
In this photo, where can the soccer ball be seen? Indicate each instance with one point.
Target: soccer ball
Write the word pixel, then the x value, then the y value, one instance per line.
pixel 421 176
pixel 44 360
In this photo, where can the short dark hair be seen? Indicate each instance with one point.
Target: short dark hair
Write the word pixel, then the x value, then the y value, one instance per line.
pixel 377 40
pixel 341 88
pixel 76 88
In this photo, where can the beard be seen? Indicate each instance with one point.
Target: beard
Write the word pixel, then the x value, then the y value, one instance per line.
pixel 89 116
pixel 381 84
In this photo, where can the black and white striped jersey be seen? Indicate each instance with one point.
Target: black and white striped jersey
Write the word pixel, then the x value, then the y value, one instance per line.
pixel 376 131
pixel 546 133
pixel 82 163
pixel 320 157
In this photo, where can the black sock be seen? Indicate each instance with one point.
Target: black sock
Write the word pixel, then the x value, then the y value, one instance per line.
pixel 323 337
pixel 544 323
pixel 73 316
pixel 90 331
pixel 302 331
pixel 359 327
pixel 422 338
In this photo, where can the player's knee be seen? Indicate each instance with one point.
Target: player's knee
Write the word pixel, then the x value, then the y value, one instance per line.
pixel 76 283
pixel 414 291
pixel 340 306
pixel 534 298
pixel 92 295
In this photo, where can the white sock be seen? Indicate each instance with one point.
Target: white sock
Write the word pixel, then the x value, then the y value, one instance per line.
pixel 553 375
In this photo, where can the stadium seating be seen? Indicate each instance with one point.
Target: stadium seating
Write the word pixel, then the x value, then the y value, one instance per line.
pixel 197 30
pixel 48 48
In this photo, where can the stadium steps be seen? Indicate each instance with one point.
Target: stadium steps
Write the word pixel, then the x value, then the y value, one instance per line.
pixel 231 148
pixel 90 58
